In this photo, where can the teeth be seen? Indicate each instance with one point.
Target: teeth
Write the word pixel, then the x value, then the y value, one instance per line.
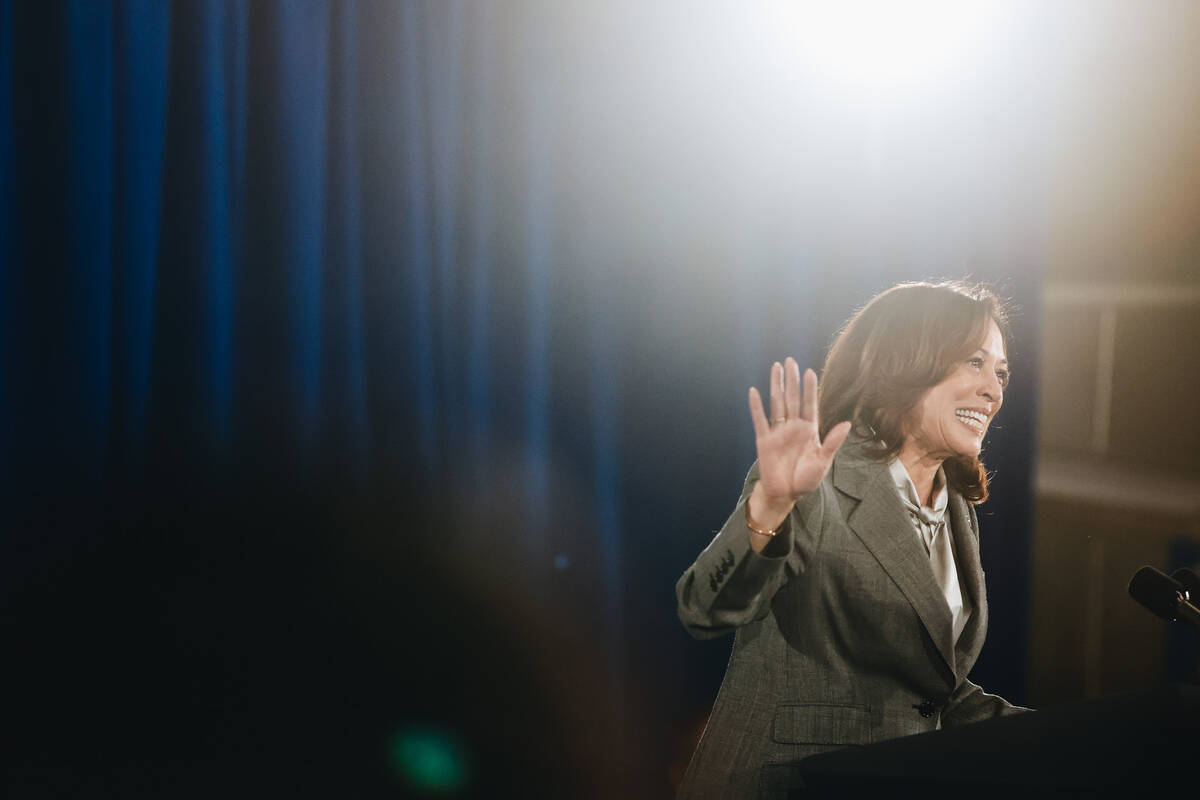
pixel 973 418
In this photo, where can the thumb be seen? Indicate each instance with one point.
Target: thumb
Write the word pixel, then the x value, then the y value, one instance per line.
pixel 834 439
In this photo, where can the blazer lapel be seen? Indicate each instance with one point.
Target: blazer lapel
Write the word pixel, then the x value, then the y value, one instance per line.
pixel 970 574
pixel 879 521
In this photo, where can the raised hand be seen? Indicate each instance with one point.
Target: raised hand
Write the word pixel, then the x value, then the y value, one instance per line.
pixel 792 459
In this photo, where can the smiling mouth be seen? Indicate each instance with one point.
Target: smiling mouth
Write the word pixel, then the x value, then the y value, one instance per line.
pixel 974 420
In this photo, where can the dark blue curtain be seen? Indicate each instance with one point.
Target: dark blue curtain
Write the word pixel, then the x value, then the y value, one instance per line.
pixel 372 370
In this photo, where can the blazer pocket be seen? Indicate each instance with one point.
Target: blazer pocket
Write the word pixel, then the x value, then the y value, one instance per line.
pixel 821 723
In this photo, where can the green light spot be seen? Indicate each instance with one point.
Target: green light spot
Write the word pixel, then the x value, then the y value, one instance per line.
pixel 428 760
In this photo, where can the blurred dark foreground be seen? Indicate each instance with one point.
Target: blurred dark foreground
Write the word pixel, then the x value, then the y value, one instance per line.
pixel 272 637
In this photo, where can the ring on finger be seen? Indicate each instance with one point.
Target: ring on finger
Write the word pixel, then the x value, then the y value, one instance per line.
pixel 778 420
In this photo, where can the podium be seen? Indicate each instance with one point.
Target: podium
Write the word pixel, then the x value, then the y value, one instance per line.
pixel 1130 746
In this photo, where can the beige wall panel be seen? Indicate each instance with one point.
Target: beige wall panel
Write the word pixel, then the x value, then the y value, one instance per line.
pixel 1156 389
pixel 1068 384
pixel 1088 637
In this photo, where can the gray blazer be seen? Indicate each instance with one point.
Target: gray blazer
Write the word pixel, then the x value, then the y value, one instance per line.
pixel 842 634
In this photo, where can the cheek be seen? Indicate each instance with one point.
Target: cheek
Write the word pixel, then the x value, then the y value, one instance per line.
pixel 924 417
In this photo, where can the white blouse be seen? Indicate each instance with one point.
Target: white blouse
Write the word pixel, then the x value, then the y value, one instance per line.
pixel 931 528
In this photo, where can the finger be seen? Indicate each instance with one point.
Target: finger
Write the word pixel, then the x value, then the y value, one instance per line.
pixel 834 439
pixel 810 395
pixel 777 408
pixel 757 416
pixel 791 388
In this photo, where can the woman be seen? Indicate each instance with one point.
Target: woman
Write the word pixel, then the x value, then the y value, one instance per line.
pixel 850 567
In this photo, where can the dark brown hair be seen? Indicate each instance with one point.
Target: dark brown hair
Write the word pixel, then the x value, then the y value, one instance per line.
pixel 904 341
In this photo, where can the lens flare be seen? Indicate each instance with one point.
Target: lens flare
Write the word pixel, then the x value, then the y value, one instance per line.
pixel 428 760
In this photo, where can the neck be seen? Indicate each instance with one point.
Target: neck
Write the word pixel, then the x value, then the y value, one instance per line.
pixel 922 468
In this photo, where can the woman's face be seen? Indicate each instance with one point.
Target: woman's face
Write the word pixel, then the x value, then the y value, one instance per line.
pixel 951 418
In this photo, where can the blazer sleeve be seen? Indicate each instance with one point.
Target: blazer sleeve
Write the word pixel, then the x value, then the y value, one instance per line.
pixel 729 584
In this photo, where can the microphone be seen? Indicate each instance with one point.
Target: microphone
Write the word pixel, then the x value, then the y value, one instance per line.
pixel 1163 596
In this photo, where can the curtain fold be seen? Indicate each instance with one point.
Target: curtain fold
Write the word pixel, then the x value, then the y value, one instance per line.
pixel 345 346
pixel 90 154
pixel 141 101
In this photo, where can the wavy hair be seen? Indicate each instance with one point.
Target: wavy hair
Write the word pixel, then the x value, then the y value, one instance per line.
pixel 902 342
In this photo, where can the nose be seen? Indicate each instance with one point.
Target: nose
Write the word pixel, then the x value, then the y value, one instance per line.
pixel 991 388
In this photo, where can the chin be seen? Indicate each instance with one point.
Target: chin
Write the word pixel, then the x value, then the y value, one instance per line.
pixel 971 450
pixel 963 443
pixel 967 448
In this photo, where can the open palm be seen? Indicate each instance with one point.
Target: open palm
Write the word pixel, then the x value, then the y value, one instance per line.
pixel 792 459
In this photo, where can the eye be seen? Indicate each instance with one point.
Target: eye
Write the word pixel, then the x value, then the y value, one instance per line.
pixel 1002 376
pixel 975 362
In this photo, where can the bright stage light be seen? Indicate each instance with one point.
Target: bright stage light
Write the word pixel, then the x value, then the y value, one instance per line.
pixel 877 46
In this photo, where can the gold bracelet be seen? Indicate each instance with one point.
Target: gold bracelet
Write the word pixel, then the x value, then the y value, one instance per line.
pixel 752 525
